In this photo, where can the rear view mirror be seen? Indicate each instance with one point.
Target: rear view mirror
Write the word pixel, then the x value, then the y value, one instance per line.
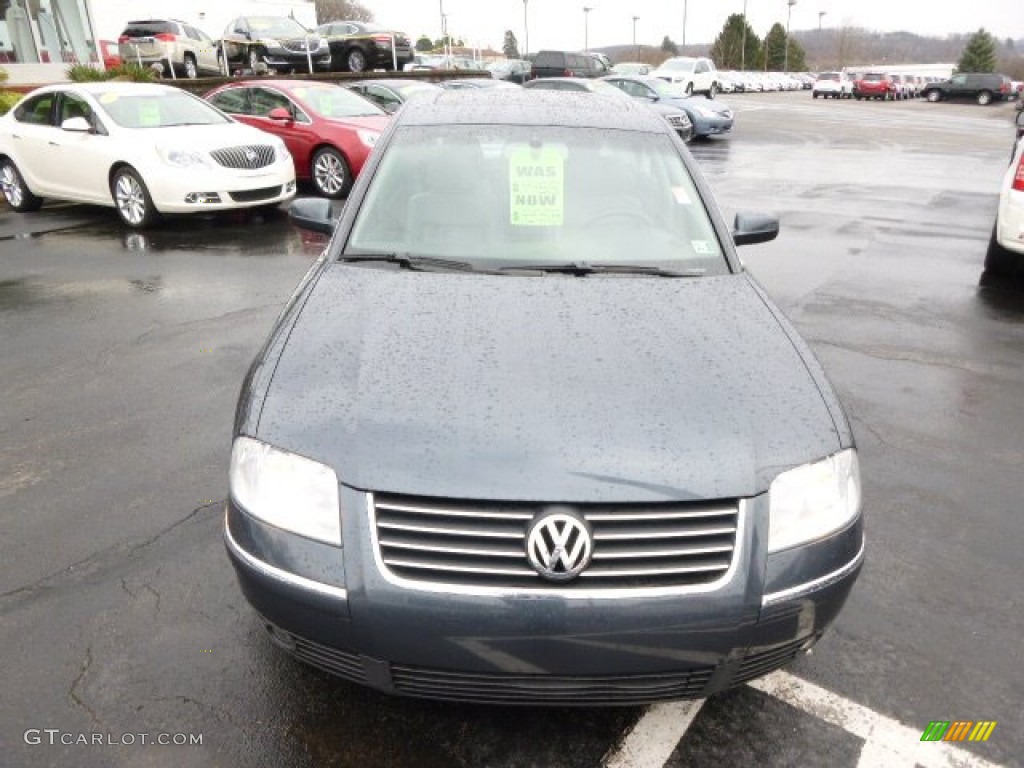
pixel 749 228
pixel 312 213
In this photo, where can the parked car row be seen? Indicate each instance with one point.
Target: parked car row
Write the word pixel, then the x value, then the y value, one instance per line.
pixel 251 43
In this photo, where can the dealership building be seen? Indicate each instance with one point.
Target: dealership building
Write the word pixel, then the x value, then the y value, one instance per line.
pixel 40 39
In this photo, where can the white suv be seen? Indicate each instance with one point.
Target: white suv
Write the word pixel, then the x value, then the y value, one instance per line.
pixel 1006 247
pixel 832 84
pixel 695 75
pixel 169 43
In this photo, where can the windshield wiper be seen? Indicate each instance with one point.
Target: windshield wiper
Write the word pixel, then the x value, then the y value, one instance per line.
pixel 582 268
pixel 406 261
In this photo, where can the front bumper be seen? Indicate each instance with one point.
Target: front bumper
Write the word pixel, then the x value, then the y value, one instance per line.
pixel 334 608
pixel 710 126
pixel 183 191
pixel 285 61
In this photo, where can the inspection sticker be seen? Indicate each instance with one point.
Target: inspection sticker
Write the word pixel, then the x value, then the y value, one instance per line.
pixel 536 187
pixel 703 248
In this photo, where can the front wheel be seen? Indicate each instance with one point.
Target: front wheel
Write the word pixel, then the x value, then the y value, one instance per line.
pixel 355 60
pixel 132 200
pixel 713 91
pixel 191 71
pixel 985 98
pixel 934 96
pixel 331 175
pixel 16 191
pixel 689 89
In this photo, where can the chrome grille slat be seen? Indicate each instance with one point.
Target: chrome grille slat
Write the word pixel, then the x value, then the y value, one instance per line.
pixel 249 157
pixel 441 531
pixel 441 549
pixel 449 543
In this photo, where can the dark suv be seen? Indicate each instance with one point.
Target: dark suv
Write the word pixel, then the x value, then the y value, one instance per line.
pixel 567 64
pixel 982 88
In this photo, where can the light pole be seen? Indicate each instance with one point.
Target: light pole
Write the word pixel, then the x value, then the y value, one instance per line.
pixel 820 14
pixel 683 44
pixel 743 41
pixel 441 8
pixel 635 46
pixel 526 31
pixel 586 13
pixel 789 11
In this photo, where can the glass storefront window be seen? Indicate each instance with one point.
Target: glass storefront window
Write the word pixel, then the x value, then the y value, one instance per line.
pixel 45 32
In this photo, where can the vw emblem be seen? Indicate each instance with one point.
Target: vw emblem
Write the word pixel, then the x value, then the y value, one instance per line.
pixel 559 545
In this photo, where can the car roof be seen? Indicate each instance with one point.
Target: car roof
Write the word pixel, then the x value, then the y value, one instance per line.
pixel 531 107
pixel 111 86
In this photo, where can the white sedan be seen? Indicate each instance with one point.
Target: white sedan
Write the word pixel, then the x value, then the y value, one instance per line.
pixel 144 149
pixel 1006 248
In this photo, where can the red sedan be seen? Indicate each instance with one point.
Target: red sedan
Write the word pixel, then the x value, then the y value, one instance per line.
pixel 328 129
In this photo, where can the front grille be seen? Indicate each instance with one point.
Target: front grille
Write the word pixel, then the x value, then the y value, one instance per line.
pixel 245 158
pixel 299 46
pixel 565 690
pixel 483 544
pixel 763 662
pixel 253 195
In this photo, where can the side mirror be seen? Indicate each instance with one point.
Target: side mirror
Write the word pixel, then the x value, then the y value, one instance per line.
pixel 76 125
pixel 1020 116
pixel 391 107
pixel 312 213
pixel 749 228
pixel 280 113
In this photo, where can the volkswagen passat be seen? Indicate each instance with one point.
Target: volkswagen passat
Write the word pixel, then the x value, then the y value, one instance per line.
pixel 144 149
pixel 528 432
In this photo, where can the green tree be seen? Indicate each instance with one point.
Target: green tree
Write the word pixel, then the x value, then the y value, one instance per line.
pixel 341 10
pixel 979 54
pixel 775 48
pixel 511 46
pixel 734 50
pixel 797 57
pixel 669 47
pixel 424 44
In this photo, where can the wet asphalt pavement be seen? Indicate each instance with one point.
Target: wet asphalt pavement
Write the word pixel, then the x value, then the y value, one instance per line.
pixel 123 354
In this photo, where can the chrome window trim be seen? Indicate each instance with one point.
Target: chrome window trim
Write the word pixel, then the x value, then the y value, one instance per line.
pixel 279 575
pixel 591 593
pixel 802 590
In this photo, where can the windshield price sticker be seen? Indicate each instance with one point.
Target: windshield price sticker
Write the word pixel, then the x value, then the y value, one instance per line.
pixel 537 188
pixel 149 114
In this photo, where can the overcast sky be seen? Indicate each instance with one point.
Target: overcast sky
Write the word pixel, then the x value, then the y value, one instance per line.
pixel 559 23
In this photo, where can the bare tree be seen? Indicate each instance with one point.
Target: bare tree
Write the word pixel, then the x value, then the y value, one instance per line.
pixel 341 10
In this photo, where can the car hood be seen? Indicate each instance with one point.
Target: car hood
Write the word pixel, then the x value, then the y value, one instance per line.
pixel 545 388
pixel 377 123
pixel 204 137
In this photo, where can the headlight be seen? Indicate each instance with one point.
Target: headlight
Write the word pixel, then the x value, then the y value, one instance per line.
pixel 281 152
pixel 704 112
pixel 285 490
pixel 369 138
pixel 812 501
pixel 181 158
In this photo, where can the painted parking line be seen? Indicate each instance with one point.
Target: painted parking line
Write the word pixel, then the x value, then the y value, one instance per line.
pixel 655 736
pixel 887 742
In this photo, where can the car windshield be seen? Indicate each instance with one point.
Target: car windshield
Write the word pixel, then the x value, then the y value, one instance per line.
pixel 162 109
pixel 334 101
pixel 273 26
pixel 679 65
pixel 828 76
pixel 495 196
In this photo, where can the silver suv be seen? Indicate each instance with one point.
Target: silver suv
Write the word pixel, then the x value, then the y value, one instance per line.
pixel 179 48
